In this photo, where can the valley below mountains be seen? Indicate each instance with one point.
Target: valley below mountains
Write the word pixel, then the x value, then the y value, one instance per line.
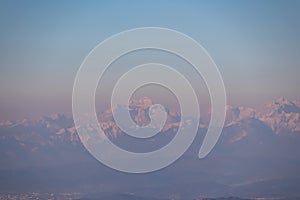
pixel 257 155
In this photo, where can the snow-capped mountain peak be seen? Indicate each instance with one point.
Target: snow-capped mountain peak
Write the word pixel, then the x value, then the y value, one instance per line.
pixel 281 115
pixel 236 114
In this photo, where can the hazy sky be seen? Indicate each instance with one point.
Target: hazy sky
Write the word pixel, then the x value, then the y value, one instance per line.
pixel 256 45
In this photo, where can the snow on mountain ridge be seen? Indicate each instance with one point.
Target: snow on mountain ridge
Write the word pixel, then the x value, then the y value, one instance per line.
pixel 139 109
pixel 236 114
pixel 281 115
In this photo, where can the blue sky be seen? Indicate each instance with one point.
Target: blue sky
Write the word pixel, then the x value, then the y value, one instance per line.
pixel 256 45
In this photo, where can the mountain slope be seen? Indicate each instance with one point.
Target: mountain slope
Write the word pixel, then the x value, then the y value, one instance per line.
pixel 258 148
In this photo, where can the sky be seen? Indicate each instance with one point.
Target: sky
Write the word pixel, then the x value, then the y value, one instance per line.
pixel 255 44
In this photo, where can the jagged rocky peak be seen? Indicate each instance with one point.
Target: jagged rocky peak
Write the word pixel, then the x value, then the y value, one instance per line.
pixel 286 105
pixel 282 100
pixel 236 114
pixel 281 115
pixel 279 106
pixel 144 102
pixel 57 116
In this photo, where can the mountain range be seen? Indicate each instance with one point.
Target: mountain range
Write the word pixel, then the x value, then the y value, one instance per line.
pixel 258 155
